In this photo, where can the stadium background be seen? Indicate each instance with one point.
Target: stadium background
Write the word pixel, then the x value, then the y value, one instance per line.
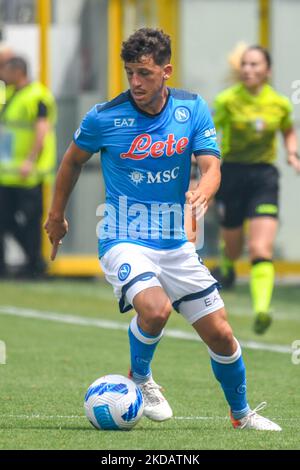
pixel 74 46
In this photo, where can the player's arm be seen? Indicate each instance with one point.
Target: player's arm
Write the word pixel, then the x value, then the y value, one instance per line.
pixel 291 145
pixel 56 225
pixel 209 183
pixel 42 127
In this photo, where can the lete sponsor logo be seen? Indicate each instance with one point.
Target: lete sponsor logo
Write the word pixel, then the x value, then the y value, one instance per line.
pixel 143 147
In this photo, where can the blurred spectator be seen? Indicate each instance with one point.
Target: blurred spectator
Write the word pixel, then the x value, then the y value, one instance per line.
pixel 234 60
pixel 6 53
pixel 249 115
pixel 27 159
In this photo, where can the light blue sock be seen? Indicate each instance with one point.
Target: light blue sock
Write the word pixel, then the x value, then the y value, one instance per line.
pixel 142 347
pixel 231 373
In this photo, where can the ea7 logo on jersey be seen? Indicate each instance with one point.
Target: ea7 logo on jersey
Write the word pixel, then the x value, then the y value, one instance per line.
pixel 142 147
pixel 182 114
pixel 122 122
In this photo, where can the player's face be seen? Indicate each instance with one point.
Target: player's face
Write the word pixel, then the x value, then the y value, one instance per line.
pixel 147 82
pixel 254 69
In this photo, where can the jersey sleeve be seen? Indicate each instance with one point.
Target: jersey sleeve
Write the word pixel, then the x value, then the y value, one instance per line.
pixel 287 120
pixel 204 141
pixel 88 135
pixel 42 111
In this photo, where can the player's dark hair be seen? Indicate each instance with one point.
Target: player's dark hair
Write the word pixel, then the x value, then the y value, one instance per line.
pixel 147 41
pixel 264 52
pixel 18 63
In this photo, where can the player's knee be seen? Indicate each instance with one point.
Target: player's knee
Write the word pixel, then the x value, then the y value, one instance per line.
pixel 156 315
pixel 221 337
pixel 160 314
pixel 260 249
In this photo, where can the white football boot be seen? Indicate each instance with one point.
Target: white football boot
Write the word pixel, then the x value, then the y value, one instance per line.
pixel 156 406
pixel 255 421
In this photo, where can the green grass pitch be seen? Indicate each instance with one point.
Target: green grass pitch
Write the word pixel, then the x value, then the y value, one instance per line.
pixel 50 364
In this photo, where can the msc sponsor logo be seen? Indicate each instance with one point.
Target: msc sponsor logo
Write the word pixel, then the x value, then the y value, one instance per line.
pixel 143 147
pixel 122 122
pixel 136 177
pixel 182 114
pixel 124 271
pixel 159 177
pixel 163 176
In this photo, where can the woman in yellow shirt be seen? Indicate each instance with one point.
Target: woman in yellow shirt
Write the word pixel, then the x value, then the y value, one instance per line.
pixel 249 115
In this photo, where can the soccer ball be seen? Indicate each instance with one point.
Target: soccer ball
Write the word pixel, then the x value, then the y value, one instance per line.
pixel 113 402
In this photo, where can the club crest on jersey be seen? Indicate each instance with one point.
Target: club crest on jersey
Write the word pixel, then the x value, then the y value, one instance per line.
pixel 143 147
pixel 182 114
pixel 124 271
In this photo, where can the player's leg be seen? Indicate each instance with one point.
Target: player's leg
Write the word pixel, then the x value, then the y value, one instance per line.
pixel 231 247
pixel 153 308
pixel 134 277
pixel 262 233
pixel 230 201
pixel 229 369
pixel 263 212
pixel 204 309
pixel 30 206
pixel 7 211
pixel 226 359
pixel 207 315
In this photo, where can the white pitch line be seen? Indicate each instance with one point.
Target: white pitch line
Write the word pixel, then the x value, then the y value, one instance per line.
pixel 179 418
pixel 83 417
pixel 41 417
pixel 114 325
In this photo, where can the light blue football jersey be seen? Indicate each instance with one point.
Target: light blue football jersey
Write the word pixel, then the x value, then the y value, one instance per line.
pixel 146 162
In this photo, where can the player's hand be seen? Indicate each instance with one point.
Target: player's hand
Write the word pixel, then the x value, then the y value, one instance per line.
pixel 294 160
pixel 198 202
pixel 56 230
pixel 26 168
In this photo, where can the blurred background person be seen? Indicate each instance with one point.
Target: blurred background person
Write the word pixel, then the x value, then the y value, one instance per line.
pixel 6 53
pixel 249 115
pixel 234 61
pixel 27 159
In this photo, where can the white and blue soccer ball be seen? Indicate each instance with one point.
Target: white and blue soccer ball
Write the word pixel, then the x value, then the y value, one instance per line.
pixel 113 402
